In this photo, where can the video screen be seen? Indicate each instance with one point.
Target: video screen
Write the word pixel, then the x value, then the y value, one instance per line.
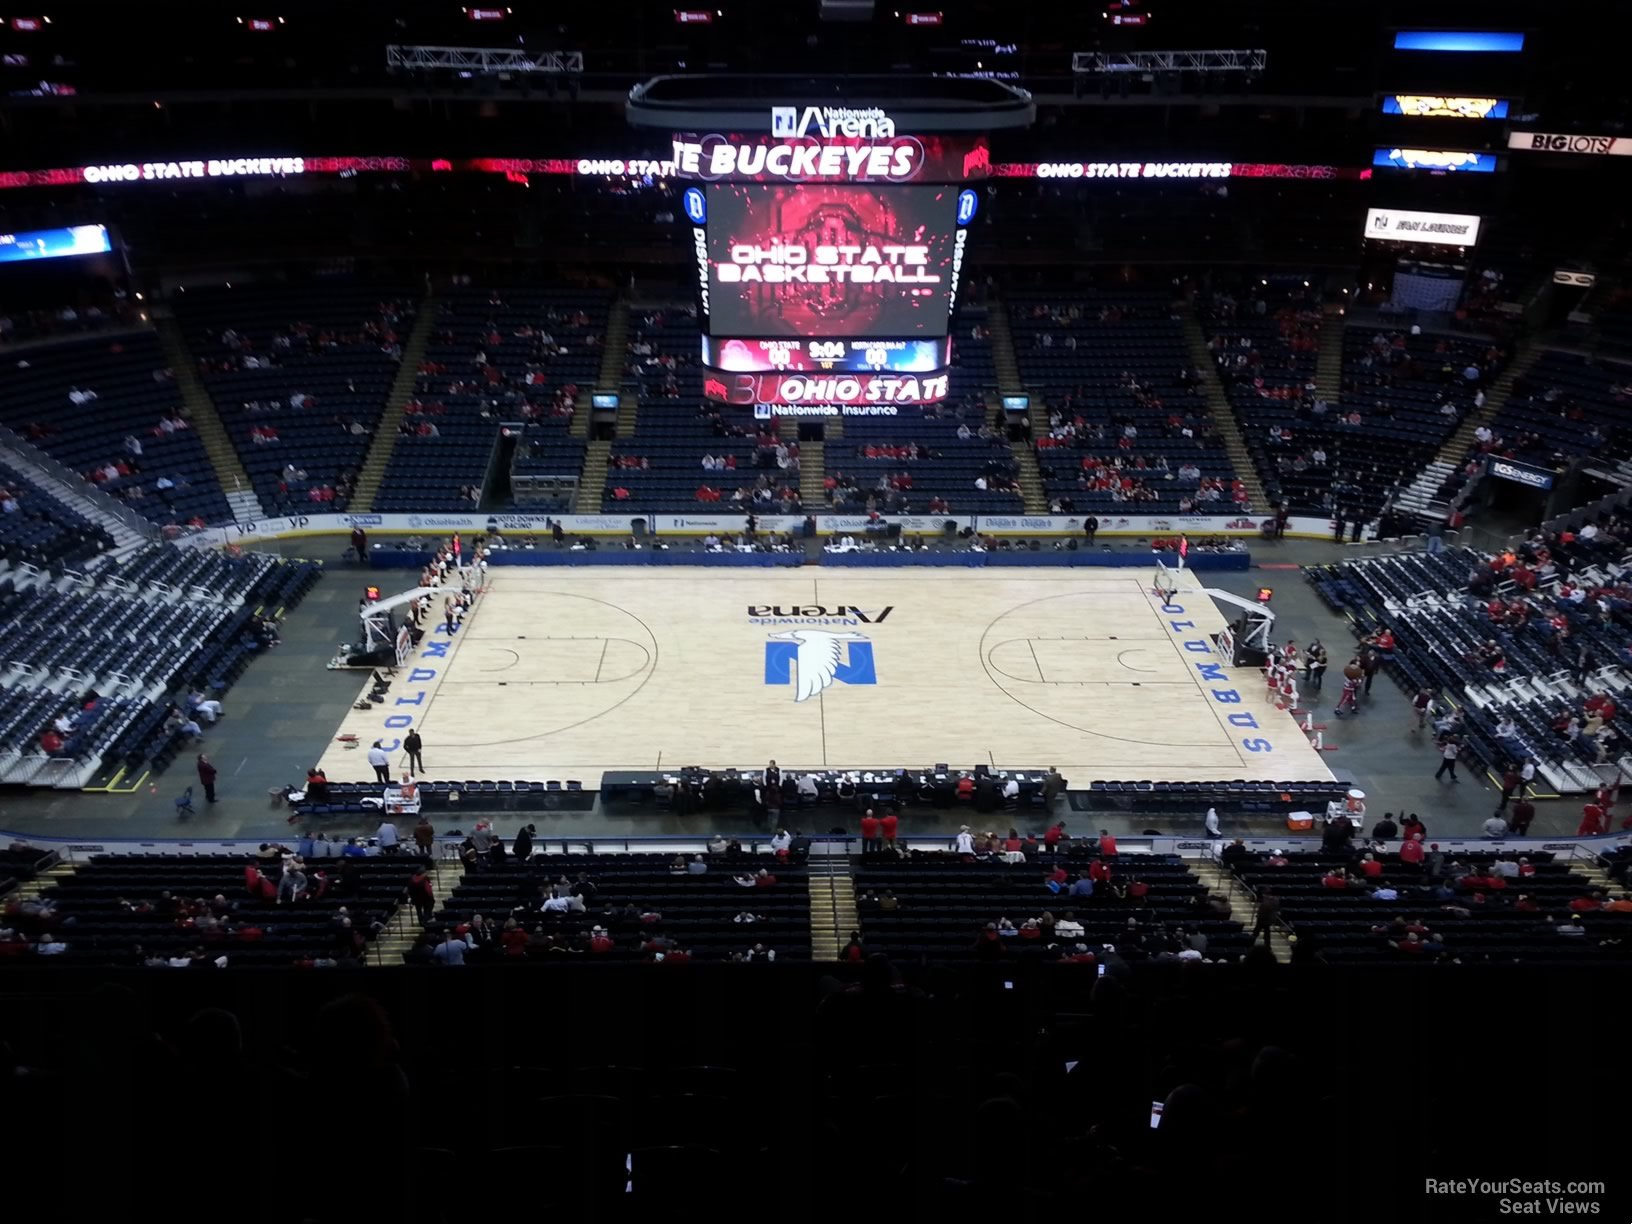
pixel 54 243
pixel 829 259
pixel 873 353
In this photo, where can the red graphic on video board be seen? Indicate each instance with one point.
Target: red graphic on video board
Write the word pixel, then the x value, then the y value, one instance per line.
pixel 817 260
pixel 763 158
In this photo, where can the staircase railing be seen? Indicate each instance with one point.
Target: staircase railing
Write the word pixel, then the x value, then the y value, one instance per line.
pixel 104 502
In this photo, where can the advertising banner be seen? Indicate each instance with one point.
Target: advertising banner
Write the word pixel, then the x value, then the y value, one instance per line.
pixel 851 151
pixel 866 391
pixel 1554 142
pixel 1521 473
pixel 1439 229
pixel 431 525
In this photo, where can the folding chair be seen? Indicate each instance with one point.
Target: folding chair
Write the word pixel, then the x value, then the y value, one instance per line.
pixel 184 805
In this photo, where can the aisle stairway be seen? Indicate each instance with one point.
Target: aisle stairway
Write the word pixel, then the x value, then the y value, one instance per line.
pixel 32 890
pixel 1329 361
pixel 200 410
pixel 1030 478
pixel 592 480
pixel 812 475
pixel 1223 414
pixel 128 529
pixel 402 390
pixel 1458 444
pixel 832 904
pixel 401 931
pixel 1421 498
pixel 1218 880
pixel 1004 363
pixel 614 360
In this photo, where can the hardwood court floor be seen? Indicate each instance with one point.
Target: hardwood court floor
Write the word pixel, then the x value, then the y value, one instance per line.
pixel 563 674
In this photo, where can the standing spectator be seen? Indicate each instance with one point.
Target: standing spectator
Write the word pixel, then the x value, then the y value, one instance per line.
pixel 422 895
pixel 1448 752
pixel 1269 908
pixel 206 776
pixel 1053 784
pixel 887 826
pixel 522 847
pixel 1315 664
pixel 1107 844
pixel 869 833
pixel 1594 820
pixel 424 835
pixel 1370 663
pixel 965 841
pixel 1510 783
pixel 1523 813
pixel 387 837
pixel 414 746
pixel 381 761
pixel 359 544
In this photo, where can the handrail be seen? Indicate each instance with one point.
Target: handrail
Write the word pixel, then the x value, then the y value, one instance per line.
pixel 103 501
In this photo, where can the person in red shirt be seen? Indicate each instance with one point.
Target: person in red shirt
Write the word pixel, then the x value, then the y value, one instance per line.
pixel 1107 843
pixel 1335 878
pixel 1412 827
pixel 1099 871
pixel 1012 843
pixel 1525 905
pixel 1582 904
pixel 1058 876
pixel 887 827
pixel 1593 821
pixel 1411 851
pixel 1138 890
pixel 600 942
pixel 764 879
pixel 1370 867
pixel 1054 835
pixel 514 940
pixel 51 742
pixel 1523 813
pixel 966 787
pixel 869 833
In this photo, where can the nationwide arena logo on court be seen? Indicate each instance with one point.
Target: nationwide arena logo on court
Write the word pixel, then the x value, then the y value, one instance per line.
pixel 816 614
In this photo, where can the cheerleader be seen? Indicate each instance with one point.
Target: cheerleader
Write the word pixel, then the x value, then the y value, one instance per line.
pixel 1289 689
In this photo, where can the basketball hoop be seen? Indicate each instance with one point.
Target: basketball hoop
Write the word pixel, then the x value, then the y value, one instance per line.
pixel 1164 585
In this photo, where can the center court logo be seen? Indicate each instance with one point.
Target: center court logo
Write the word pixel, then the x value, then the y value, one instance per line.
pixel 812 659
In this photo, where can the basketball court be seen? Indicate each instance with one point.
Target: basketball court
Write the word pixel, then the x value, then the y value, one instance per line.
pixel 564 673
